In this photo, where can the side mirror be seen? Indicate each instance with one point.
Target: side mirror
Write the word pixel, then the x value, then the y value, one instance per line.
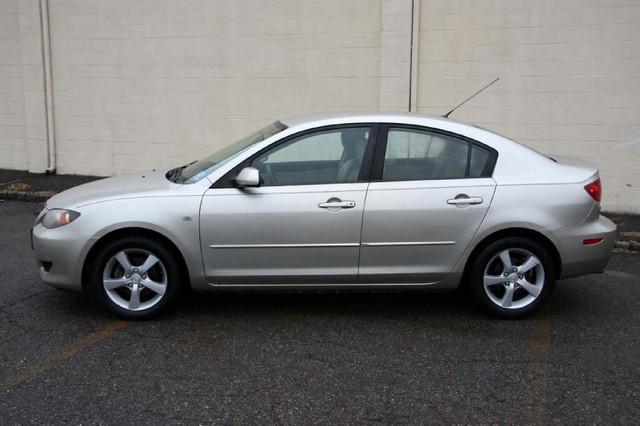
pixel 249 176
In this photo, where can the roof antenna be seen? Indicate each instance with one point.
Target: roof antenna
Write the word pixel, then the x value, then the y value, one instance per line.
pixel 469 98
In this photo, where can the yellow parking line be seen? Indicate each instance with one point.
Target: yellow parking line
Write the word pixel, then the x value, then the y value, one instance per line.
pixel 58 358
pixel 10 182
pixel 538 371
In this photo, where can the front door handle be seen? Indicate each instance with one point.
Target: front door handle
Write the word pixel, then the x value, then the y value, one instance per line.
pixel 336 203
pixel 464 199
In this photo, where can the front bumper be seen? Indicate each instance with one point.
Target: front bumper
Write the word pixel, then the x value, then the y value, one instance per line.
pixel 580 259
pixel 60 254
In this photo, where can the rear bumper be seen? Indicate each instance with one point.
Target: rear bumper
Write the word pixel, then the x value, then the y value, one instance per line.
pixel 580 259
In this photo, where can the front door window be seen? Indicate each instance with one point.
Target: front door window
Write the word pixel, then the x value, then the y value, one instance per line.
pixel 325 157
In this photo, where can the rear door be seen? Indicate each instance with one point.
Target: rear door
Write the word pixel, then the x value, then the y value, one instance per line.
pixel 429 193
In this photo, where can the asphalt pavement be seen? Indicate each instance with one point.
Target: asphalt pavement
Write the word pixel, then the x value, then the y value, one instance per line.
pixel 405 358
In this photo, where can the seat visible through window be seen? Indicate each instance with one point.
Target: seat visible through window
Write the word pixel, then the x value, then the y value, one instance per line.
pixel 354 143
pixel 422 155
pixel 325 156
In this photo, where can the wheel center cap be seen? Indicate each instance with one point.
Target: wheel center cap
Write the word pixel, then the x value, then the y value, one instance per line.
pixel 513 278
pixel 135 279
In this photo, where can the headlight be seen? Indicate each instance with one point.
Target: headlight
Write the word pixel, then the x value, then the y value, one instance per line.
pixel 58 217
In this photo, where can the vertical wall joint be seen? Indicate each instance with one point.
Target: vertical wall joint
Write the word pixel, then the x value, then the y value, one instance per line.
pixel 48 89
pixel 414 50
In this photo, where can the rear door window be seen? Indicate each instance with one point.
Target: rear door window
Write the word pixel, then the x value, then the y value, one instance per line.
pixel 422 155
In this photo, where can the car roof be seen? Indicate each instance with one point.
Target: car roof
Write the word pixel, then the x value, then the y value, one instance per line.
pixel 364 116
pixel 515 156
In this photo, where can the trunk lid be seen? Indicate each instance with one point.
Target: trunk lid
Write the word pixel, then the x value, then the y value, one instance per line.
pixel 574 169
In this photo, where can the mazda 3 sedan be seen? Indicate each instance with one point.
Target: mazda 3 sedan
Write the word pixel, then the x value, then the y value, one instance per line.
pixel 359 201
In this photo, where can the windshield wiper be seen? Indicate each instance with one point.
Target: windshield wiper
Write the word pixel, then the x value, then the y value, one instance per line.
pixel 174 174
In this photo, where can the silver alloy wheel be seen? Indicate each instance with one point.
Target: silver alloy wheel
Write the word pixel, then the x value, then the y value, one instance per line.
pixel 513 278
pixel 135 279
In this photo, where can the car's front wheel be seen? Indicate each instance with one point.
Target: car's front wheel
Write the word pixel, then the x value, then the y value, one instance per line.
pixel 135 277
pixel 512 277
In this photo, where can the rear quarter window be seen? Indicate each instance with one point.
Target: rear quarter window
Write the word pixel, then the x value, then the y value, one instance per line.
pixel 478 162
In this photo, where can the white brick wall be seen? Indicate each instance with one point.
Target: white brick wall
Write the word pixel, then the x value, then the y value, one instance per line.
pixel 145 84
pixel 570 79
pixel 140 84
pixel 13 152
pixel 33 89
pixel 22 110
pixel 395 54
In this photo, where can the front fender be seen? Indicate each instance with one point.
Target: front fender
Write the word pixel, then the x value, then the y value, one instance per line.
pixel 175 218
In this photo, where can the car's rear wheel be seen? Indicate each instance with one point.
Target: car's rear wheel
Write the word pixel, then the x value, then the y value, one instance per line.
pixel 513 277
pixel 135 277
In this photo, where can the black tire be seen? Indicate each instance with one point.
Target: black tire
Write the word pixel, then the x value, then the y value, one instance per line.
pixel 518 248
pixel 169 268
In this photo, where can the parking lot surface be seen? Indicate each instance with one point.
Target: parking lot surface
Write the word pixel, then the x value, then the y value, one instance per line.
pixel 402 358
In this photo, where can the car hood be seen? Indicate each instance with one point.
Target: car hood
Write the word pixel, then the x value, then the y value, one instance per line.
pixel 152 183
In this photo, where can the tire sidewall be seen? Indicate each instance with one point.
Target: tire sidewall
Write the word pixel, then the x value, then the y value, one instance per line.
pixel 160 251
pixel 483 258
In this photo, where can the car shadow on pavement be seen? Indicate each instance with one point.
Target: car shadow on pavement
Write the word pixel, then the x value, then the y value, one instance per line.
pixel 438 306
pixel 269 304
pixel 319 302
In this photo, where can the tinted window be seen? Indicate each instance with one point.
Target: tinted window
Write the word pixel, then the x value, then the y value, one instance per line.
pixel 479 158
pixel 420 155
pixel 331 156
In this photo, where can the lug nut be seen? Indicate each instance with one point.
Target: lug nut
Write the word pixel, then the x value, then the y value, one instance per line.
pixel 135 269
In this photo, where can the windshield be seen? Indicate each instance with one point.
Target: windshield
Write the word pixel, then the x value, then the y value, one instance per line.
pixel 195 171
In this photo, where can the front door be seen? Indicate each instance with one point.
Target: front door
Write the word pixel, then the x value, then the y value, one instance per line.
pixel 429 194
pixel 302 225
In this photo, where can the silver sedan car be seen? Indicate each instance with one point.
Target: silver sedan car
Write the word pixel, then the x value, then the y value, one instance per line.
pixel 358 201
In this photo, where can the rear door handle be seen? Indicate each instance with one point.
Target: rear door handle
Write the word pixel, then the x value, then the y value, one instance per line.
pixel 463 199
pixel 336 203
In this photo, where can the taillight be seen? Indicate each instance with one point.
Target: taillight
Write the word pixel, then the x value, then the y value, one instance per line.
pixel 594 189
